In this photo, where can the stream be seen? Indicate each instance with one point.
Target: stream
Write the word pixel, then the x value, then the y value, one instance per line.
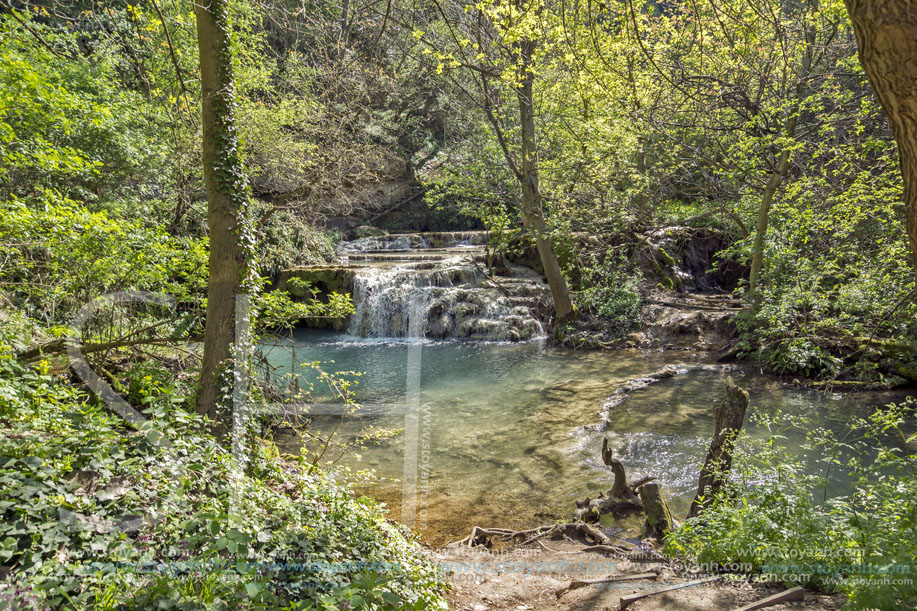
pixel 509 433
pixel 503 428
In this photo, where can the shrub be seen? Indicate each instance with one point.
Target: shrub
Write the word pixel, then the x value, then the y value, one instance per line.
pixel 781 521
pixel 96 514
pixel 608 290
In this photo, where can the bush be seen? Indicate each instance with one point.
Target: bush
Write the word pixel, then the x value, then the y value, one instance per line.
pixel 61 255
pixel 96 514
pixel 608 290
pixel 781 521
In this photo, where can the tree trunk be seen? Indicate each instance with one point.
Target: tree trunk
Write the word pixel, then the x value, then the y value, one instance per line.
pixel 757 251
pixel 227 208
pixel 728 417
pixel 532 207
pixel 783 162
pixel 658 518
pixel 886 33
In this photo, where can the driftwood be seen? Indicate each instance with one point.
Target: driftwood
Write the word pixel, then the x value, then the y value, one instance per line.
pixel 658 518
pixel 728 416
pixel 582 583
pixel 792 594
pixel 623 498
pixel 590 534
pixel 630 599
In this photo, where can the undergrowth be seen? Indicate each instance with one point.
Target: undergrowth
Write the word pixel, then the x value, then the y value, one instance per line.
pixel 96 513
pixel 782 521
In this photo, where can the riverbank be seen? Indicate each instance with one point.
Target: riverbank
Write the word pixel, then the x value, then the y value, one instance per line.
pixel 722 326
pixel 559 575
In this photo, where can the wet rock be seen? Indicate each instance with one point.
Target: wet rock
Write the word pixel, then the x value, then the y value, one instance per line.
pixel 436 285
pixel 686 259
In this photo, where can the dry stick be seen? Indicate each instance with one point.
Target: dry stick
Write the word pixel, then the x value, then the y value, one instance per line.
pixel 627 601
pixel 792 594
pixel 581 583
pixel 491 278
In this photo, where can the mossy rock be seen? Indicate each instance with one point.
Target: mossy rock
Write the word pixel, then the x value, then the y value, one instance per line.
pixel 323 280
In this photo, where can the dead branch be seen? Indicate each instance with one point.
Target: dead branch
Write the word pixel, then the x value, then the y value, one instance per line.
pixel 582 583
pixel 627 601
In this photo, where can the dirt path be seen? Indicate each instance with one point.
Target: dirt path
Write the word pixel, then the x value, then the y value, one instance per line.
pixel 535 577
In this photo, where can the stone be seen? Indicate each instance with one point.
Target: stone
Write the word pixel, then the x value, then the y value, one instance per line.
pixel 368 231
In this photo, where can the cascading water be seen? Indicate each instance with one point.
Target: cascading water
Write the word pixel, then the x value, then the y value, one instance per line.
pixel 435 285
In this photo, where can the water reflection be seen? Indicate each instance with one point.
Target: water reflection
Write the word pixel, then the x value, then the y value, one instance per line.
pixel 514 430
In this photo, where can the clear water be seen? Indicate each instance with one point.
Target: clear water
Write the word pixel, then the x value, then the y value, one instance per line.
pixel 510 434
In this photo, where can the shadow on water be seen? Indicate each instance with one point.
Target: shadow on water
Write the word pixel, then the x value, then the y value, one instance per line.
pixel 509 434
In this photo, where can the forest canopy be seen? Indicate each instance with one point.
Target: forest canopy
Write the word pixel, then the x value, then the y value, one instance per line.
pixel 582 136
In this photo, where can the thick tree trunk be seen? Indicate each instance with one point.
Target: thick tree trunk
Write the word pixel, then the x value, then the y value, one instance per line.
pixel 227 195
pixel 886 32
pixel 728 416
pixel 532 206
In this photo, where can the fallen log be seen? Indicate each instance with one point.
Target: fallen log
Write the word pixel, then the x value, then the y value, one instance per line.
pixel 63 345
pixel 582 583
pixel 728 416
pixel 630 599
pixel 793 594
pixel 855 385
pixel 484 536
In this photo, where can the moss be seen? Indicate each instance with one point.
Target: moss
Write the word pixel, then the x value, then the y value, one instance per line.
pixel 323 280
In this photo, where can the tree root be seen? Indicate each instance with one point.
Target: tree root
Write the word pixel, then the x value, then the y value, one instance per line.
pixel 623 499
pixel 597 539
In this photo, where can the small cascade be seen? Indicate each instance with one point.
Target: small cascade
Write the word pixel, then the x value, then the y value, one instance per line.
pixel 435 285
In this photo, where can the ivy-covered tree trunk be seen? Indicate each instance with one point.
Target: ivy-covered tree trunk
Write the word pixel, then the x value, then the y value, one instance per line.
pixel 532 207
pixel 886 33
pixel 227 207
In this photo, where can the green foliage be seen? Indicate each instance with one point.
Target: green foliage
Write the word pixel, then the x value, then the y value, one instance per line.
pixel 782 522
pixel 279 310
pixel 286 241
pixel 97 514
pixel 609 289
pixel 838 271
pixel 60 256
pixel 65 123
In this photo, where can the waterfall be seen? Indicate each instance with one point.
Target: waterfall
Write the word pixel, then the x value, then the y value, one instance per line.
pixel 390 303
pixel 434 285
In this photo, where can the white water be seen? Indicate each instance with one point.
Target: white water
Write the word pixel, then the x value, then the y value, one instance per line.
pixel 436 285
